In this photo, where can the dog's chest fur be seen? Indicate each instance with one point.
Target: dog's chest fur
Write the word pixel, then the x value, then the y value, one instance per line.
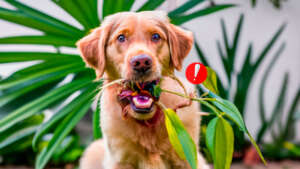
pixel 127 141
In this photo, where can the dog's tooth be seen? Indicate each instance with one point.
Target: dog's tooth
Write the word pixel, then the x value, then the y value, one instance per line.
pixel 142 104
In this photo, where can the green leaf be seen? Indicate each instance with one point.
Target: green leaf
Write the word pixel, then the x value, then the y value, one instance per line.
pixel 39 40
pixel 228 108
pixel 269 46
pixel 257 148
pixel 80 100
pixel 17 136
pixel 253 3
pixel 211 81
pixel 157 90
pixel 111 7
pixel 96 121
pixel 264 80
pixel 29 122
pixel 37 105
pixel 185 7
pixel 210 135
pixel 178 20
pixel 60 133
pixel 297 116
pixel 220 140
pixel 20 131
pixel 180 138
pixel 81 11
pixel 201 54
pixel 56 26
pixel 35 23
pixel 150 5
pixel 290 122
pixel 38 71
pixel 20 89
pixel 8 57
pixel 233 114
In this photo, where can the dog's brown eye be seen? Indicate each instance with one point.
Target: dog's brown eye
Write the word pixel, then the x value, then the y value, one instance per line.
pixel 155 37
pixel 121 38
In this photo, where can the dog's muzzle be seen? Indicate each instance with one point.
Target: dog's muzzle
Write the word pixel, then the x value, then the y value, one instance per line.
pixel 141 64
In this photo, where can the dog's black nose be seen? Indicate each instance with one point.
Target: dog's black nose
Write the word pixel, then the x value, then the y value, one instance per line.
pixel 141 63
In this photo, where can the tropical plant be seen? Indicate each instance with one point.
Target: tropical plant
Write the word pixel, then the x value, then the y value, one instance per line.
pixel 59 81
pixel 244 77
pixel 276 3
pixel 280 146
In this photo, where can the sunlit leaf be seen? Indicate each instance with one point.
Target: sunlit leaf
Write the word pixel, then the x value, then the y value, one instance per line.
pixel 211 81
pixel 180 138
pixel 220 142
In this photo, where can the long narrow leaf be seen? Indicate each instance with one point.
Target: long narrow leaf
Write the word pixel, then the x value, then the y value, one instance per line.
pixel 262 110
pixel 8 57
pixel 201 54
pixel 269 46
pixel 60 133
pixel 80 100
pixel 263 82
pixel 151 5
pixel 96 121
pixel 75 67
pixel 32 121
pixel 77 12
pixel 185 7
pixel 39 40
pixel 46 19
pixel 40 103
pixel 178 20
pixel 111 7
pixel 17 136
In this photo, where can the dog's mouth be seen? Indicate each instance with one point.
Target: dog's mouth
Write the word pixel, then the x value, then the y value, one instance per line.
pixel 140 96
pixel 141 103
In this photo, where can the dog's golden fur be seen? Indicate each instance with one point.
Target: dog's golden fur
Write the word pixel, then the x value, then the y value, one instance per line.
pixel 127 144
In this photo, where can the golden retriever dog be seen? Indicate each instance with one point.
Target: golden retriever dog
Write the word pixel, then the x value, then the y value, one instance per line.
pixel 143 48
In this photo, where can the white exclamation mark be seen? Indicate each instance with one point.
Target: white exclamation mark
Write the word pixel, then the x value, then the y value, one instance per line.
pixel 197 68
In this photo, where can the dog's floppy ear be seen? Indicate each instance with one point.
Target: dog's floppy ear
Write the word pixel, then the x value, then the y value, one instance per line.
pixel 180 42
pixel 92 49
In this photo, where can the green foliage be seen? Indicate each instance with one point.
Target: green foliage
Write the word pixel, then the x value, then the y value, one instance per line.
pixel 244 77
pixel 96 121
pixel 211 81
pixel 276 3
pixel 286 131
pixel 44 85
pixel 222 151
pixel 219 133
pixel 180 138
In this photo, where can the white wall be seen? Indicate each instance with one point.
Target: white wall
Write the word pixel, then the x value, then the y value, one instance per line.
pixel 259 26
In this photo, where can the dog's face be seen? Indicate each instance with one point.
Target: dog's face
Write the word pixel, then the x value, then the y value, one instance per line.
pixel 139 47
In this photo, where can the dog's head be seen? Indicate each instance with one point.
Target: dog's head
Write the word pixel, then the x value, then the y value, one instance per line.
pixel 139 47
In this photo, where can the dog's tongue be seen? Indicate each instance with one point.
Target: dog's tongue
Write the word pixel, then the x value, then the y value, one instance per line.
pixel 142 101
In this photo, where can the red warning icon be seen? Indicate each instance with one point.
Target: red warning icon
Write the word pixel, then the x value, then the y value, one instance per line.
pixel 196 73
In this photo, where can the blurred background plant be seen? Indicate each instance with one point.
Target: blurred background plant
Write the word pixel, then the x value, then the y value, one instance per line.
pixel 42 103
pixel 283 144
pixel 276 3
pixel 237 90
